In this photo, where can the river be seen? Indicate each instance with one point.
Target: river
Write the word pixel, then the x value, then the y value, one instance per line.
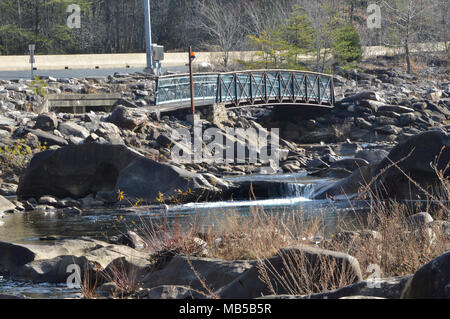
pixel 42 227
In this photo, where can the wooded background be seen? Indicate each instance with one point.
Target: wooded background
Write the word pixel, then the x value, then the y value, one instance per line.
pixel 116 26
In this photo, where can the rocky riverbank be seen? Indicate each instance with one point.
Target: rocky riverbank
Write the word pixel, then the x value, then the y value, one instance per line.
pixel 387 138
pixel 129 266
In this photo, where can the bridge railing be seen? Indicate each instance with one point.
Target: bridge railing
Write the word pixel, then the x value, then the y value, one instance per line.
pixel 248 88
pixel 176 88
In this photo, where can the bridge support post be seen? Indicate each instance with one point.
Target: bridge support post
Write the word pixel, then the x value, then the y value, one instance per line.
pixel 219 114
pixel 193 118
pixel 191 76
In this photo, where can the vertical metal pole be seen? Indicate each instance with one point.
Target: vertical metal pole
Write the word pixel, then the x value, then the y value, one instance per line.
pixel 191 76
pixel 32 47
pixel 148 36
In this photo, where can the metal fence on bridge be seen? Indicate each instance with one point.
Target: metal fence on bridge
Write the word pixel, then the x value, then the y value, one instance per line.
pixel 236 89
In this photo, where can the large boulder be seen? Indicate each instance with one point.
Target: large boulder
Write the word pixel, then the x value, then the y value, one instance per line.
pixel 414 158
pixel 283 272
pixel 347 187
pixel 77 171
pixel 124 118
pixel 432 281
pixel 195 272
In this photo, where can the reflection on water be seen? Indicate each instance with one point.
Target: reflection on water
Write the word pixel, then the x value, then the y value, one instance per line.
pixel 100 224
pixel 42 227
pixel 37 291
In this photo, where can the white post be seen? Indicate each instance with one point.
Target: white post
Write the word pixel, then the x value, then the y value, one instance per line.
pixel 148 36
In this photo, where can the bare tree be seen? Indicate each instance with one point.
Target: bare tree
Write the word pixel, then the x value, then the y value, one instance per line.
pixel 406 19
pixel 222 22
pixel 262 16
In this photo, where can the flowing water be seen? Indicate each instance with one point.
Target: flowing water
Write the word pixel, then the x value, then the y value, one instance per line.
pixel 43 227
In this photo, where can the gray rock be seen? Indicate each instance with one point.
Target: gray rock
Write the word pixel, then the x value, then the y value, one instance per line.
pixel 8 189
pixel 142 178
pixel 215 273
pixel 170 293
pixel 107 289
pixel 349 164
pixel 372 104
pixel 9 297
pixel 363 124
pixel 359 134
pixel 6 205
pixel 47 200
pixel 317 163
pixel 347 149
pixel 73 129
pixel 419 106
pixel 250 285
pixel 396 108
pixel 77 171
pixel 386 120
pixel 386 288
pixel 432 281
pixel 51 270
pixel 441 227
pixel 348 186
pixel 374 157
pixel 72 211
pixel 46 122
pixel 124 118
pixel 48 139
pixel 407 119
pixel 388 130
pixel 130 239
pixel 419 221
pixel 414 157
pixel 48 263
pixel 362 96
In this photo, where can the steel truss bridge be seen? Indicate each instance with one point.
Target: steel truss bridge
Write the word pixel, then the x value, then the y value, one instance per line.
pixel 247 88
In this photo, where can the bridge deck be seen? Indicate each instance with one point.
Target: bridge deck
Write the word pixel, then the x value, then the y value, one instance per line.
pixel 238 89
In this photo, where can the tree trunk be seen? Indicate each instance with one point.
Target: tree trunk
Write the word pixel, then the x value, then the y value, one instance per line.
pixel 408 57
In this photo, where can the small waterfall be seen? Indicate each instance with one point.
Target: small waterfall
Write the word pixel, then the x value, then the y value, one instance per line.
pixel 296 190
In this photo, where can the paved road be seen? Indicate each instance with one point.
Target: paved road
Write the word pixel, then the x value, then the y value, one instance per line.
pixel 14 75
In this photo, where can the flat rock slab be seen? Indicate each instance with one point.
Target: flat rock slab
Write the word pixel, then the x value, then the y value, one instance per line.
pixel 171 292
pixel 386 288
pixel 48 263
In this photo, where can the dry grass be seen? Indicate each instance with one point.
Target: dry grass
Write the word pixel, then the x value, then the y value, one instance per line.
pixel 124 276
pixel 381 236
pixel 385 239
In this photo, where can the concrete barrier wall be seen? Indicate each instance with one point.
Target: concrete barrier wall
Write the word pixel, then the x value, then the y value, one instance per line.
pixel 138 60
pixel 105 61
